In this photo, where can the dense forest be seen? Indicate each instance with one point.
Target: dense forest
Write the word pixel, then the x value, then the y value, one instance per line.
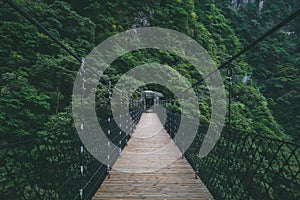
pixel 36 75
pixel 268 102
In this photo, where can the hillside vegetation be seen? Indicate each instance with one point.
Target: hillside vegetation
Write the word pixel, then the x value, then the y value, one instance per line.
pixel 37 76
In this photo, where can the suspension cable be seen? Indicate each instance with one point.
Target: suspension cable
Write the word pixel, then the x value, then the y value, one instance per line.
pixel 224 64
pixel 51 36
pixel 250 46
pixel 41 28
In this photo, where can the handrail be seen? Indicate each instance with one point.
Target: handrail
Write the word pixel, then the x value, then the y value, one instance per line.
pixel 46 169
pixel 244 164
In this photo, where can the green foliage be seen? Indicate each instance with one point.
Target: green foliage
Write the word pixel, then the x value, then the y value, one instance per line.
pixel 23 108
pixel 274 62
pixel 36 75
pixel 218 26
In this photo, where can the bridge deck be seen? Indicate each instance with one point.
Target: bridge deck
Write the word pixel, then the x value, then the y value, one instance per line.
pixel 151 167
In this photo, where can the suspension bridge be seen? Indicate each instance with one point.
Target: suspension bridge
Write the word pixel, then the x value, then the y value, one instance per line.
pixel 242 165
pixel 141 172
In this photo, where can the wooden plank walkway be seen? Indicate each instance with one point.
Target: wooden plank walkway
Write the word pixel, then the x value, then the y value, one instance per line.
pixel 151 167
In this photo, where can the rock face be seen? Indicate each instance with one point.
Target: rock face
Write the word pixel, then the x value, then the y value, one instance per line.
pixel 238 4
pixel 261 5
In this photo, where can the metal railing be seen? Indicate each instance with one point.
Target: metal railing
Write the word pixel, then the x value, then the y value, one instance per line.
pixel 55 165
pixel 244 164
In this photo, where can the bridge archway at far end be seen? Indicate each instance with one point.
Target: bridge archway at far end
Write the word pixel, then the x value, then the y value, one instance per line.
pixel 150 98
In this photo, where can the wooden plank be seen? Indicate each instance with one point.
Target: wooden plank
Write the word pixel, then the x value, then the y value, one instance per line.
pixel 151 167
